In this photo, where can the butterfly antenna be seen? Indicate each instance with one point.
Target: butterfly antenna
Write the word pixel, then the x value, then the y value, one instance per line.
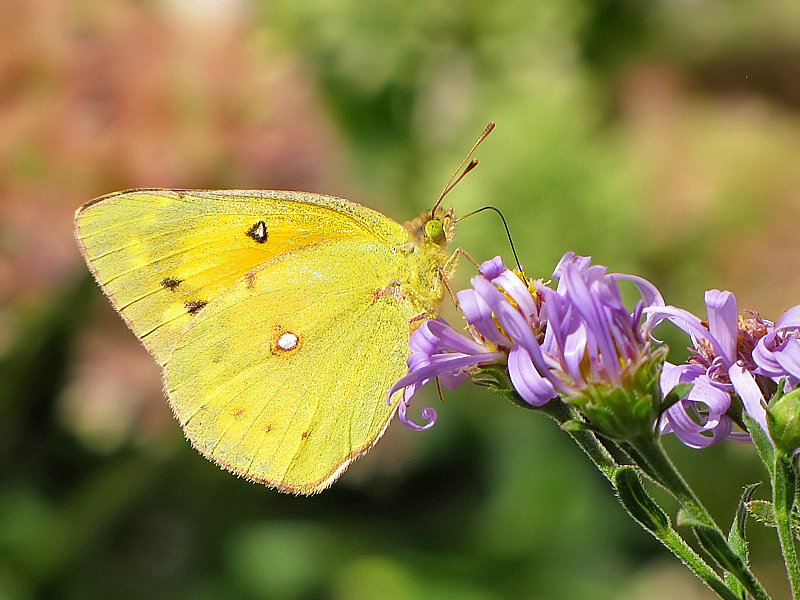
pixel 505 224
pixel 455 177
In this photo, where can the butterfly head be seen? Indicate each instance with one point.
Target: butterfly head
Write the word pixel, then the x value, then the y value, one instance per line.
pixel 431 233
pixel 437 228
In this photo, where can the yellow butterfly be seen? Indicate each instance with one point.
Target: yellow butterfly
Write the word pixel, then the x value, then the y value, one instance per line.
pixel 281 319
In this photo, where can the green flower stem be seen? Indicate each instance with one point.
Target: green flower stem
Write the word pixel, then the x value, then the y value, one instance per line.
pixel 783 495
pixel 678 546
pixel 605 463
pixel 709 533
pixel 644 510
pixel 586 440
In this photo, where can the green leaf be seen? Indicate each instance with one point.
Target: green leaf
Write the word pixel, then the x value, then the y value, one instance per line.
pixel 637 502
pixel 737 536
pixel 686 519
pixel 763 512
pixel 718 548
pixel 575 425
pixel 766 451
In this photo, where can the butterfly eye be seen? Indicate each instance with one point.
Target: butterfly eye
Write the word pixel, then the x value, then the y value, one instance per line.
pixel 434 231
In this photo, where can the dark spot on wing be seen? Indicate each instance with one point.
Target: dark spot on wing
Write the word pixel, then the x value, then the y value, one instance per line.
pixel 170 283
pixel 304 435
pixel 258 232
pixel 194 306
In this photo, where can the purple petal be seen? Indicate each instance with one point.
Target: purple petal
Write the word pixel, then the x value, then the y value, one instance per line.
pixel 479 315
pixel 529 384
pixel 716 400
pixel 452 380
pixel 453 341
pixel 684 320
pixel 679 422
pixel 723 322
pixel 423 340
pixel 586 300
pixel 672 375
pixel 440 364
pixel 492 267
pixel 580 262
pixel 518 291
pixel 573 353
pixel 789 358
pixel 698 420
pixel 512 322
pixel 748 390
pixel 790 319
pixel 427 413
pixel 777 354
pixel 765 355
pixel 649 293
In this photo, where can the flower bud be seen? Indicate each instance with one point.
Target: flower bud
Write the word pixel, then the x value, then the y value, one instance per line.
pixel 783 421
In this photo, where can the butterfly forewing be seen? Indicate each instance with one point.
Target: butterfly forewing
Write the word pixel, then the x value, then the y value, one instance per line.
pixel 162 255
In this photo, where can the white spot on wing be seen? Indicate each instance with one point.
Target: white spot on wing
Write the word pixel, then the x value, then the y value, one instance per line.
pixel 288 341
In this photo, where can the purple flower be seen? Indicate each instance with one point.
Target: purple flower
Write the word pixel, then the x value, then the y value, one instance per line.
pixel 552 342
pixel 777 354
pixel 732 358
pixel 591 336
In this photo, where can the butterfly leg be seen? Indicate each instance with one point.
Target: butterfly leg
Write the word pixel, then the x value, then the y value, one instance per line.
pixel 446 270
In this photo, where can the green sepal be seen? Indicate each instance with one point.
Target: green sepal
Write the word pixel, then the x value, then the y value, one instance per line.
pixel 497 380
pixel 637 502
pixel 763 512
pixel 737 536
pixel 631 409
pixel 677 393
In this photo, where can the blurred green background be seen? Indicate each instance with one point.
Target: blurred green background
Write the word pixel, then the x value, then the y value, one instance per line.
pixel 660 137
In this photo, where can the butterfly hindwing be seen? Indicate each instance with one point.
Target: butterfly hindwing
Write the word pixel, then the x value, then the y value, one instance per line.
pixel 283 378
